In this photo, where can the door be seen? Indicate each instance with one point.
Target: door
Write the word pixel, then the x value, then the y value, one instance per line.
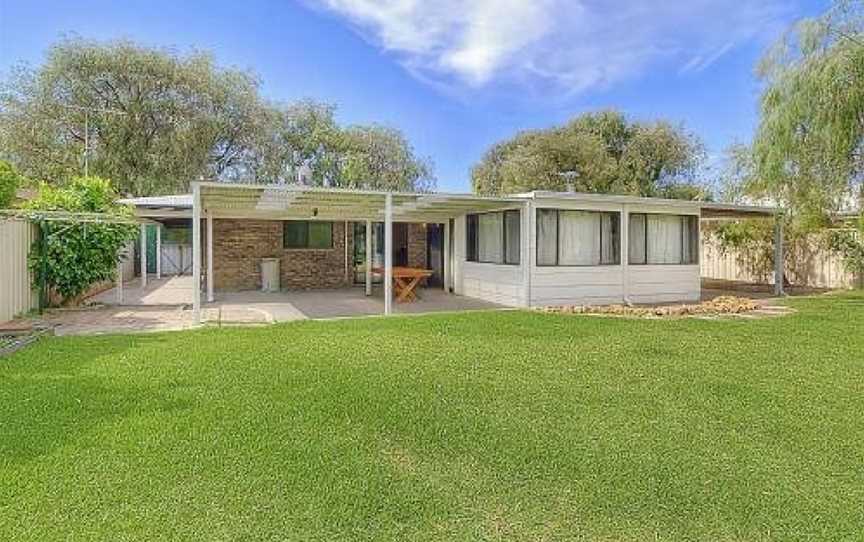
pixel 400 248
pixel 435 254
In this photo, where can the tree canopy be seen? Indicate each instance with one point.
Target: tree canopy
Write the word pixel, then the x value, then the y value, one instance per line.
pixel 807 151
pixel 600 152
pixel 156 119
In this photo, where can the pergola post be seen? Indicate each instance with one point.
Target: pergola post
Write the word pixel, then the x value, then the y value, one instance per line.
pixel 210 277
pixel 369 256
pixel 388 254
pixel 778 256
pixel 118 290
pixel 143 256
pixel 625 254
pixel 446 256
pixel 158 251
pixel 196 253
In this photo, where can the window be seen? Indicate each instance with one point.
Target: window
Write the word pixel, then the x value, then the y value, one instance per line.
pixel 576 238
pixel 659 239
pixel 512 237
pixel 307 234
pixel 493 237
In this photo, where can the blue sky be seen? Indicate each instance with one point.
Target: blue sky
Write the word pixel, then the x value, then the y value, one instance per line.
pixel 456 76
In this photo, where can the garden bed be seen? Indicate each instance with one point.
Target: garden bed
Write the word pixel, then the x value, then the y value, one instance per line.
pixel 718 306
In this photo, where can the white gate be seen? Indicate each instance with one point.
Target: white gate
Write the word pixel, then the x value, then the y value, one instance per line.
pixel 176 259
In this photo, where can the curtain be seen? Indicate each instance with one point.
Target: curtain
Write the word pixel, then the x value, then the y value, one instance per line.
pixel 636 239
pixel 512 236
pixel 665 239
pixel 578 238
pixel 547 236
pixel 690 241
pixel 609 239
pixel 491 226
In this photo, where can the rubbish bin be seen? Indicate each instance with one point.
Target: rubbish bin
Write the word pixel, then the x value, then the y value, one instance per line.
pixel 270 274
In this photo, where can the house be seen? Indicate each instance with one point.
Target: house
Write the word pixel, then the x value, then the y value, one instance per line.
pixel 522 250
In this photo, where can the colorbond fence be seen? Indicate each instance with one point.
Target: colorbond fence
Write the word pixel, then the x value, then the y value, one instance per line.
pixel 17 293
pixel 814 267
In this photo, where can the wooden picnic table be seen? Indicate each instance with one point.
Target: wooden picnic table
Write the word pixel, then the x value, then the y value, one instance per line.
pixel 405 281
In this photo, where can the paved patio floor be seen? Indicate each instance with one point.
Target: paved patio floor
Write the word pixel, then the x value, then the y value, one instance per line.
pixel 165 304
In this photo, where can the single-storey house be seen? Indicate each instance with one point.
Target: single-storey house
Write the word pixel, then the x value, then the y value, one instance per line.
pixel 521 250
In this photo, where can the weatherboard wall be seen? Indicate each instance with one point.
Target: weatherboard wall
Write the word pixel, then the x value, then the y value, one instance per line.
pixel 516 286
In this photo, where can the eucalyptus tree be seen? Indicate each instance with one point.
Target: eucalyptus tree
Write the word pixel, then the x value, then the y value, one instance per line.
pixel 152 120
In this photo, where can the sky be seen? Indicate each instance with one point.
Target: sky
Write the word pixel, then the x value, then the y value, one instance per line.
pixel 457 76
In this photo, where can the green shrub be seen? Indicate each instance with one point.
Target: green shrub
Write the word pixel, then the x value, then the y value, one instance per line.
pixel 73 255
pixel 9 183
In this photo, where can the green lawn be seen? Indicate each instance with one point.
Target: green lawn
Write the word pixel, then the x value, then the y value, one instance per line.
pixel 484 426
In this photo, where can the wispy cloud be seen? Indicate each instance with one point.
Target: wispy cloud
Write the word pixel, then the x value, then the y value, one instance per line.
pixel 569 45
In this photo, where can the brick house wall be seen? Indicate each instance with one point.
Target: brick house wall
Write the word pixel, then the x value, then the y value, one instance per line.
pixel 417 245
pixel 239 245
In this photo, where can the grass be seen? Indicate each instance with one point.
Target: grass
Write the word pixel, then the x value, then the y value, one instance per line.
pixel 484 426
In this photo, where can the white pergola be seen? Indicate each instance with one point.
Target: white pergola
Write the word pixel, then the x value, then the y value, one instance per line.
pixel 211 200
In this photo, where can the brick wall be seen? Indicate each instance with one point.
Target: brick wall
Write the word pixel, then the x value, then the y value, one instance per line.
pixel 417 245
pixel 239 245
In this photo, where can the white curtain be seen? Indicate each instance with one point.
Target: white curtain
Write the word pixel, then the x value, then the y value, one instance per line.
pixel 665 239
pixel 491 226
pixel 636 239
pixel 547 244
pixel 578 238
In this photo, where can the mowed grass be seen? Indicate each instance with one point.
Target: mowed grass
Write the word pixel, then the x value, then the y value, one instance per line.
pixel 483 426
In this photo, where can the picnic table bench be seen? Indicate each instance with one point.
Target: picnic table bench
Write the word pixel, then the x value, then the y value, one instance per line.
pixel 405 281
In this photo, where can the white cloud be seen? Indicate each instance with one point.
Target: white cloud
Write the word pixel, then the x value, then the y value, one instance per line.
pixel 570 45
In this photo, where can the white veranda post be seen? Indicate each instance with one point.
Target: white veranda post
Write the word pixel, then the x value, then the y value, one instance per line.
pixel 388 254
pixel 143 256
pixel 210 277
pixel 118 291
pixel 369 257
pixel 196 253
pixel 158 251
pixel 446 255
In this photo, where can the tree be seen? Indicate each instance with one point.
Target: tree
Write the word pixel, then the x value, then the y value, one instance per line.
pixel 9 183
pixel 807 152
pixel 596 152
pixel 377 157
pixel 73 255
pixel 156 120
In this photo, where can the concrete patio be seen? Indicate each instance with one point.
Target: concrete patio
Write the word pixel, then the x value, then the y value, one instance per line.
pixel 164 304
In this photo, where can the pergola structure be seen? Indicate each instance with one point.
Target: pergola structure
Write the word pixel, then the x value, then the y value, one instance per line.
pixel 212 200
pixel 731 211
pixel 221 200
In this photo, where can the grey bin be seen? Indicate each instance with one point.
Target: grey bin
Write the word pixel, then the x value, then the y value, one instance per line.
pixel 269 274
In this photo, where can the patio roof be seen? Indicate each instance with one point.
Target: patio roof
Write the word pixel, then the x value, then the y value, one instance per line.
pixel 278 202
pixel 301 202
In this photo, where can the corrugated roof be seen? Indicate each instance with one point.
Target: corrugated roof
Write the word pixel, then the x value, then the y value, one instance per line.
pixel 177 201
pixel 338 203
